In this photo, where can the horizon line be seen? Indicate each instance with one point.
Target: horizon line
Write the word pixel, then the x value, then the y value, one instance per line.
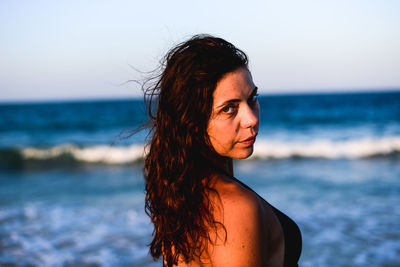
pixel 271 93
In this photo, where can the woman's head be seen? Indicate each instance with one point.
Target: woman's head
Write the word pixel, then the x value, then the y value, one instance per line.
pixel 187 84
pixel 205 100
pixel 233 125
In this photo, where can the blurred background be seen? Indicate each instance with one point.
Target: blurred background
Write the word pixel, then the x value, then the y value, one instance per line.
pixel 328 152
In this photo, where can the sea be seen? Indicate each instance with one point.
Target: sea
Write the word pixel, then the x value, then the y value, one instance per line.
pixel 72 189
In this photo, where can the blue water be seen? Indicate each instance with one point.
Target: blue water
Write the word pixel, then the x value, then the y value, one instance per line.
pixel 71 188
pixel 293 117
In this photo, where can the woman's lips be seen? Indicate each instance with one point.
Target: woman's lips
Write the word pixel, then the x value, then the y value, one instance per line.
pixel 249 141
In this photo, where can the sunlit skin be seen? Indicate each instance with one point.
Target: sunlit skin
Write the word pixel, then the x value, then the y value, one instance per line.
pixel 254 235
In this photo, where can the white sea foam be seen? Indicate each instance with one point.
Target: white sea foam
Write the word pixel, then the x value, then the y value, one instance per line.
pixel 351 149
pixel 94 154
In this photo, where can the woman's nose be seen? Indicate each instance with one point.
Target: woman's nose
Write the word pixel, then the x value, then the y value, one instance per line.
pixel 250 117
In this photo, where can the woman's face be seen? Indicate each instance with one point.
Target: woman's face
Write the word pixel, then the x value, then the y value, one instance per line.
pixel 233 125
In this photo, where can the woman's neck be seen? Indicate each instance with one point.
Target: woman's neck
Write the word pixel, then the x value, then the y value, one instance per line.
pixel 224 164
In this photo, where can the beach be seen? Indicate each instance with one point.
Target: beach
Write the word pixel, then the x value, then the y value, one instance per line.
pixel 72 189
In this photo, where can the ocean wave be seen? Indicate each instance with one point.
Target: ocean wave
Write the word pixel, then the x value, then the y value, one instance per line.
pixel 95 154
pixel 119 155
pixel 349 149
pixel 68 155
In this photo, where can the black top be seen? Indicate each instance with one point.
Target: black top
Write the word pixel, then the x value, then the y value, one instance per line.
pixel 291 232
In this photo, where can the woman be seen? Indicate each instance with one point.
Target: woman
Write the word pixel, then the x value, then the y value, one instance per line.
pixel 206 114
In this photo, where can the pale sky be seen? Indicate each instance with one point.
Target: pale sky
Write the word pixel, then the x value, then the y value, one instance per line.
pixel 83 49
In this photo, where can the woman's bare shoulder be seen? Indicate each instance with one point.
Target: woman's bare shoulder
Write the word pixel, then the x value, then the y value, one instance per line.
pixel 238 209
pixel 253 233
pixel 231 194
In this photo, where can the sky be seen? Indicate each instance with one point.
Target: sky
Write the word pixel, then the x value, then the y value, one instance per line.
pixel 62 50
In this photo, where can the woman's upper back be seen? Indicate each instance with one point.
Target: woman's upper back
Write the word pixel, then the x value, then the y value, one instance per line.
pixel 291 232
pixel 251 234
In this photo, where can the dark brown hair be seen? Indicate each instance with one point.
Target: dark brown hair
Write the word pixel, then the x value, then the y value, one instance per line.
pixel 179 103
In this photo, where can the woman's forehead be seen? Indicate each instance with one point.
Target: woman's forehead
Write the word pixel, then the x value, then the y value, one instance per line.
pixel 234 85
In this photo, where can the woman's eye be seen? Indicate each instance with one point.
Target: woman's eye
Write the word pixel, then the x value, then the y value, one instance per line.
pixel 228 109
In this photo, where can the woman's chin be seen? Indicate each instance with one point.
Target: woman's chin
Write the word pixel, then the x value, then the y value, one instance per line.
pixel 244 153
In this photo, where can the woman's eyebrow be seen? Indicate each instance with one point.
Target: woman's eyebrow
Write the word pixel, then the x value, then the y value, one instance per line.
pixel 236 100
pixel 231 101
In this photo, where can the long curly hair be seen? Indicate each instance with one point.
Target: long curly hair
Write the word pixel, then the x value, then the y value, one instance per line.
pixel 177 165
